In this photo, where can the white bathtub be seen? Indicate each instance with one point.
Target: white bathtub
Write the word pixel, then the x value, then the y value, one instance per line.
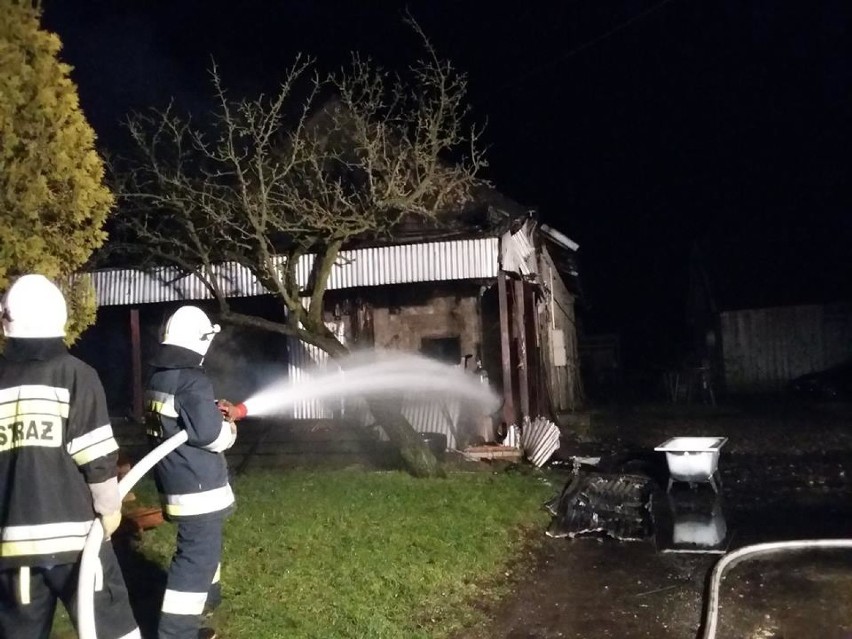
pixel 693 459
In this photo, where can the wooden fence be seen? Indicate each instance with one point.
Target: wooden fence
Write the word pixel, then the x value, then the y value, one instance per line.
pixel 763 349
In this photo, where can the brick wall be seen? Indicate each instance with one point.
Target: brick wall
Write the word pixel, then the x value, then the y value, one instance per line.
pixel 401 322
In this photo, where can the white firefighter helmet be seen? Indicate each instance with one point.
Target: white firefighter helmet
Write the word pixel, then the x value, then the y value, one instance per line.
pixel 190 328
pixel 34 307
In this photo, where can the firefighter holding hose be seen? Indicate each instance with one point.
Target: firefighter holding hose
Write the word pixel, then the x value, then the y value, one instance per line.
pixel 192 480
pixel 57 472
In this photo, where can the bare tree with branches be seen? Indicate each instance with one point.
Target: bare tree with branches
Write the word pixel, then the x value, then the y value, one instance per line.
pixel 264 182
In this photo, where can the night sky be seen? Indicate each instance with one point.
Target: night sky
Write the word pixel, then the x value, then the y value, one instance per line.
pixel 638 128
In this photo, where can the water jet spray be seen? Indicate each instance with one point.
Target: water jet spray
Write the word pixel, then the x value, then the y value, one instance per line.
pixel 376 377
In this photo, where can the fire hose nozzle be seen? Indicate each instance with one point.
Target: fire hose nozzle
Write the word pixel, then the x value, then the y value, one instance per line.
pixel 232 412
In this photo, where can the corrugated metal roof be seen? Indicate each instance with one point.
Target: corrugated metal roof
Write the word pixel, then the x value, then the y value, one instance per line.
pixel 398 264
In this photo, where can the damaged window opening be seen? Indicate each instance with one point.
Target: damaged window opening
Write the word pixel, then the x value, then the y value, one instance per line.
pixel 443 349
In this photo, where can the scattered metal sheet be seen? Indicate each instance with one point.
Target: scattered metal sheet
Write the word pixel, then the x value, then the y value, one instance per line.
pixel 539 440
pixel 615 505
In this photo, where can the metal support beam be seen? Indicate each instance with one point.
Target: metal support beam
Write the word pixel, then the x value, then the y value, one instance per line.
pixel 505 350
pixel 136 364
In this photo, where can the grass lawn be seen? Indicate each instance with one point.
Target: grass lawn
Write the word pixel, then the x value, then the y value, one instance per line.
pixel 352 553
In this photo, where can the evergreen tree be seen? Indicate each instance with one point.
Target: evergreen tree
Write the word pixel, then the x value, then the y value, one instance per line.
pixel 53 201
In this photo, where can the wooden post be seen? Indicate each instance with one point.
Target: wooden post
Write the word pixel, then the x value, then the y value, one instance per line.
pixel 521 337
pixel 136 364
pixel 540 363
pixel 505 351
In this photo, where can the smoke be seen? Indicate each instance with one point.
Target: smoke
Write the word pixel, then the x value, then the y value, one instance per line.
pixel 243 361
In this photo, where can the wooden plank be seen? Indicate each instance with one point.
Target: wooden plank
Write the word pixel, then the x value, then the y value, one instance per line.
pixel 763 349
pixel 136 365
pixel 509 416
pixel 521 343
pixel 539 398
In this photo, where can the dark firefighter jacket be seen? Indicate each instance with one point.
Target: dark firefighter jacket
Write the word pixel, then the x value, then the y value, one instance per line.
pixel 192 480
pixel 55 438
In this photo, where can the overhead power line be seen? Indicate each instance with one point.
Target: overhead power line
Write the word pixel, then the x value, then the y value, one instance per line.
pixel 586 45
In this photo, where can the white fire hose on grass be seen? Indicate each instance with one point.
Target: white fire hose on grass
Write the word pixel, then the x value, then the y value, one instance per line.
pixel 711 617
pixel 89 558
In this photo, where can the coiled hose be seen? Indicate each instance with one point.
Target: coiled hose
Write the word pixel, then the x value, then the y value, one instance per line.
pixel 711 616
pixel 89 558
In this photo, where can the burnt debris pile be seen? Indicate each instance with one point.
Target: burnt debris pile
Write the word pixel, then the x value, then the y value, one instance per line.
pixel 617 505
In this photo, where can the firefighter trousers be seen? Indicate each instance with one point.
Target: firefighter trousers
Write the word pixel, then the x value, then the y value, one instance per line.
pixel 193 582
pixel 28 598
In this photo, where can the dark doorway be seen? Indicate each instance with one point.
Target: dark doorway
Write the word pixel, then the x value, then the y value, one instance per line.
pixel 444 349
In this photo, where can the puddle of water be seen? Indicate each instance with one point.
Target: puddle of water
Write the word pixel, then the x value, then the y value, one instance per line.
pixel 777 498
pixel 691 520
pixel 773 498
pixel 763 498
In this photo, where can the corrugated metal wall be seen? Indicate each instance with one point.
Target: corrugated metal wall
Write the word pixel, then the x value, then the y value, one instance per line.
pixel 400 264
pixel 433 416
pixel 424 415
pixel 763 349
pixel 301 359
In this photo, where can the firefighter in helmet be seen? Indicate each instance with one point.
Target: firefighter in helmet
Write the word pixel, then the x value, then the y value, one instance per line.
pixel 57 471
pixel 192 480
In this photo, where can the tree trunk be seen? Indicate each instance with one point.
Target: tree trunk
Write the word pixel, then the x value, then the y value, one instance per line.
pixel 416 455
